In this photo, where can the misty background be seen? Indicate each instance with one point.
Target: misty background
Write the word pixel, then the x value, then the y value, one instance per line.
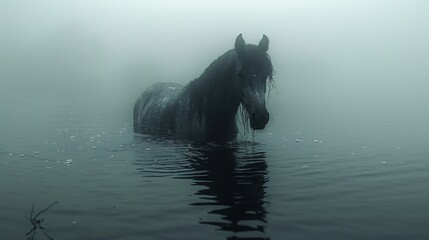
pixel 339 64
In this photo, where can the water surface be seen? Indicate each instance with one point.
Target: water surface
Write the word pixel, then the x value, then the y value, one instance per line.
pixel 295 180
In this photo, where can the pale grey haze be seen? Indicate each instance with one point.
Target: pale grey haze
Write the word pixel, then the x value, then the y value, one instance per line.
pixel 366 59
pixel 321 49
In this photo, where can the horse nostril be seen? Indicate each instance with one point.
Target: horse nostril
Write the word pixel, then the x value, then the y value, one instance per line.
pixel 254 117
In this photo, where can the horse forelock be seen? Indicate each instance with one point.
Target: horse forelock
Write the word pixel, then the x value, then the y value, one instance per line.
pixel 257 59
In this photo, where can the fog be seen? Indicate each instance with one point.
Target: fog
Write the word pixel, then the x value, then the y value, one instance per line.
pixel 334 60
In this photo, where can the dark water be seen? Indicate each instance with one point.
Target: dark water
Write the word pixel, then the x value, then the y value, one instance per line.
pixel 296 181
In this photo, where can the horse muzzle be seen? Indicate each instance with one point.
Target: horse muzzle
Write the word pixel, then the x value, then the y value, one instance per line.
pixel 259 119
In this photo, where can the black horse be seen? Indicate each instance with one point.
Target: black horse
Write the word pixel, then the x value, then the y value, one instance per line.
pixel 207 106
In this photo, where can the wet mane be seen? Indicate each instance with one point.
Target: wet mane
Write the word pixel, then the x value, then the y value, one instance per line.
pixel 203 89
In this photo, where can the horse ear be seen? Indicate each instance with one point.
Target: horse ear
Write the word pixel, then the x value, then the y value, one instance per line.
pixel 239 44
pixel 263 44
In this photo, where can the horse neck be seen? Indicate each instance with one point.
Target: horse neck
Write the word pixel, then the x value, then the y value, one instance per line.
pixel 216 88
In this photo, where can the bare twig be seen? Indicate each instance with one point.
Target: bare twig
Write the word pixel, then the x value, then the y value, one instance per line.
pixel 37 223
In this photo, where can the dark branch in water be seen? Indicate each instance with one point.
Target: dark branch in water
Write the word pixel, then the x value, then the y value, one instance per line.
pixel 37 223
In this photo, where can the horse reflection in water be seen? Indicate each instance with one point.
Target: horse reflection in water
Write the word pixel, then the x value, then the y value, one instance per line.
pixel 234 184
pixel 206 108
pixel 229 180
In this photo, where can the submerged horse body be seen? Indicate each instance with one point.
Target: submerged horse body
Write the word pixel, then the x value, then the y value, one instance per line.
pixel 207 106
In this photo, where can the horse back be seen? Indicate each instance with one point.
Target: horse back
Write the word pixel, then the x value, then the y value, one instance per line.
pixel 154 109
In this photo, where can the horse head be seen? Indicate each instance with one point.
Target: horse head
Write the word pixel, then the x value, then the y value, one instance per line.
pixel 254 69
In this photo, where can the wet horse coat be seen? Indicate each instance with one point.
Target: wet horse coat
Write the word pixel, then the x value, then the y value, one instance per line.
pixel 207 106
